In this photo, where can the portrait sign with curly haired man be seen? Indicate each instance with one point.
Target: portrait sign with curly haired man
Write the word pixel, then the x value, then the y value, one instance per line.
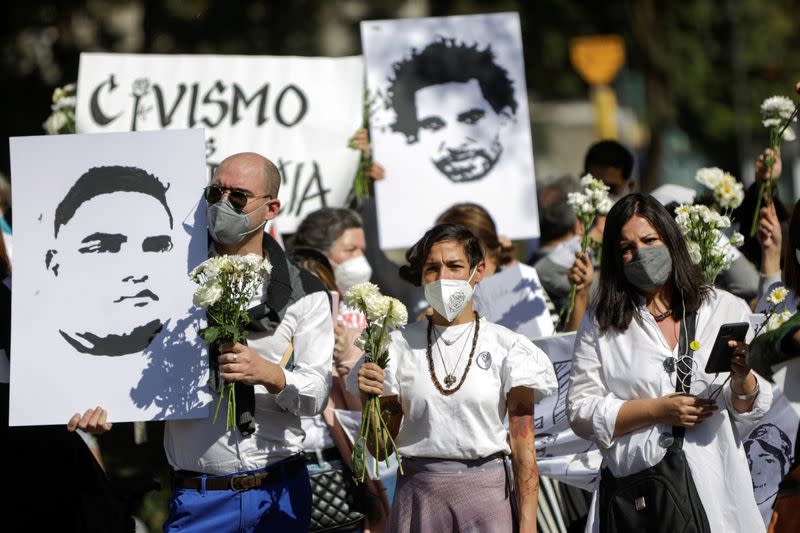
pixel 449 121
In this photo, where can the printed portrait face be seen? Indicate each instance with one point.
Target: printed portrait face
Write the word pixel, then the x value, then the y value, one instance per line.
pixel 768 451
pixel 459 130
pixel 766 471
pixel 453 100
pixel 111 265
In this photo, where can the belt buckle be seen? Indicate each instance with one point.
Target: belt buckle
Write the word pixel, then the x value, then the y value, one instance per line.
pixel 249 481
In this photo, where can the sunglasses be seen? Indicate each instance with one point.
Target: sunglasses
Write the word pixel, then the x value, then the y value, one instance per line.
pixel 237 198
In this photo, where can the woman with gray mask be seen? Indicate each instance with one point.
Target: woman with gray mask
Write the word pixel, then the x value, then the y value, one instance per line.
pixel 637 385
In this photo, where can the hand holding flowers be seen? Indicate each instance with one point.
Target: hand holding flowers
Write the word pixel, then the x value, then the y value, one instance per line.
pixel 383 313
pixel 226 284
pixel 777 113
pixel 593 202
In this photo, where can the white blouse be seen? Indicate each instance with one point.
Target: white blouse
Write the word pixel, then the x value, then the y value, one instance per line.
pixel 469 423
pixel 609 369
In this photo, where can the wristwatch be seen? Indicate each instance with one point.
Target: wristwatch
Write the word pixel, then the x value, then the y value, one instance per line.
pixel 747 397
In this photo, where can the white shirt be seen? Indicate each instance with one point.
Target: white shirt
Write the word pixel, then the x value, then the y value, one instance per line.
pixel 200 446
pixel 469 423
pixel 609 369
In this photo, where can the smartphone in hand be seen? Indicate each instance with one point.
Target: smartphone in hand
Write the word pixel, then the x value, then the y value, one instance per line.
pixel 720 358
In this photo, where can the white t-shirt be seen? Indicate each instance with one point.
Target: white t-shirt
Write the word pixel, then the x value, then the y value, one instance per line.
pixel 469 423
pixel 609 369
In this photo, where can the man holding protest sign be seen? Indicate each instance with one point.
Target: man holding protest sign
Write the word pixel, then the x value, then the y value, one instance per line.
pixel 255 477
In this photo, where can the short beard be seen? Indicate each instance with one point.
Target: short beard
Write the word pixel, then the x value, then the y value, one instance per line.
pixel 114 345
pixel 450 167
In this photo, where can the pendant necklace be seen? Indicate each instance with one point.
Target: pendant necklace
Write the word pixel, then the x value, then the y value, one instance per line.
pixel 450 379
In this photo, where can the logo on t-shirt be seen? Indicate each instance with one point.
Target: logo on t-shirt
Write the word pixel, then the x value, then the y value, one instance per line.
pixel 484 360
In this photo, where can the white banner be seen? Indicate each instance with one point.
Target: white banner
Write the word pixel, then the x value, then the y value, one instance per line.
pixel 297 111
pixel 108 228
pixel 450 122
pixel 560 453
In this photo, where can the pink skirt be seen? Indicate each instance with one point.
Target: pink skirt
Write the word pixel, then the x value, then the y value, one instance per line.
pixel 440 496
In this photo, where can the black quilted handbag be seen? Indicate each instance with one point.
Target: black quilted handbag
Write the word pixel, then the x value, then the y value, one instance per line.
pixel 335 501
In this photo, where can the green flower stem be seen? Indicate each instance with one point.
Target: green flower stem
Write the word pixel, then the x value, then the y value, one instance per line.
pixel 585 239
pixel 761 190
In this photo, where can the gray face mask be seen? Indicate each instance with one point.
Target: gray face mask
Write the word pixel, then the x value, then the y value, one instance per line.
pixel 227 226
pixel 650 269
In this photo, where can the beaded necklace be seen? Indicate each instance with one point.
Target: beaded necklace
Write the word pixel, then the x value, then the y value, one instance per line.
pixel 449 379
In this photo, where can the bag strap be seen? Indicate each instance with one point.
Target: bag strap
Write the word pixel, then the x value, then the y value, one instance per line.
pixel 684 380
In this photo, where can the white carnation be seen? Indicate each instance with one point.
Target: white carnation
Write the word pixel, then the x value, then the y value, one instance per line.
pixel 709 177
pixel 776 107
pixel 207 294
pixel 737 239
pixel 789 135
pixel 354 297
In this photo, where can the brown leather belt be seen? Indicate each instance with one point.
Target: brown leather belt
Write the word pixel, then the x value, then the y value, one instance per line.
pixel 275 473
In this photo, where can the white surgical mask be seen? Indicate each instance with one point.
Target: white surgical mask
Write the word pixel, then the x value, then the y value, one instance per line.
pixel 449 297
pixel 351 272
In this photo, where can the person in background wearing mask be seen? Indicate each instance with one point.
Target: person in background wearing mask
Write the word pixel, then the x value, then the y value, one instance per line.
pixel 629 350
pixel 339 233
pixel 451 379
pixel 254 478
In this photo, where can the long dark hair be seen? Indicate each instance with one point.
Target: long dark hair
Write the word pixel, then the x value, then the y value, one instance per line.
pixel 418 254
pixel 615 302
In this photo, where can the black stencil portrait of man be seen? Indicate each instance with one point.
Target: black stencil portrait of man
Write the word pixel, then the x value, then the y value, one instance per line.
pixel 126 254
pixel 449 122
pixel 111 228
pixel 455 100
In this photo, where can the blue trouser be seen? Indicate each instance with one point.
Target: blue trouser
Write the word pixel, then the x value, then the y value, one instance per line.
pixel 283 505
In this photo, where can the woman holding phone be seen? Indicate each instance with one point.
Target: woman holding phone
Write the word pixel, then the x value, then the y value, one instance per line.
pixel 633 351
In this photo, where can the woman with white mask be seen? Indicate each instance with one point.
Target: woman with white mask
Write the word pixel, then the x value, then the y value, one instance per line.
pixel 339 234
pixel 451 379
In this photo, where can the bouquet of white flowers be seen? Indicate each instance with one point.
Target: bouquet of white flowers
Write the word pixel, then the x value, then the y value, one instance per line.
pixel 593 202
pixel 383 313
pixel 777 113
pixel 227 283
pixel 702 229
pixel 62 118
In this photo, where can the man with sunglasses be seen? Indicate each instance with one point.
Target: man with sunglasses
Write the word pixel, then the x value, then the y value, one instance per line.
pixel 255 477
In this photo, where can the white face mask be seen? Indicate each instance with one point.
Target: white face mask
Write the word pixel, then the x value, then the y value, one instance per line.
pixel 448 297
pixel 351 272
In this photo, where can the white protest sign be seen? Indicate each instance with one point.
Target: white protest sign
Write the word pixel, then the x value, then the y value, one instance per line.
pixel 102 304
pixel 297 111
pixel 560 454
pixel 450 122
pixel 514 298
pixel 769 447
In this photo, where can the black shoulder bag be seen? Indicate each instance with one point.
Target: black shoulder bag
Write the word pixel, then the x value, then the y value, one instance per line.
pixel 661 498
